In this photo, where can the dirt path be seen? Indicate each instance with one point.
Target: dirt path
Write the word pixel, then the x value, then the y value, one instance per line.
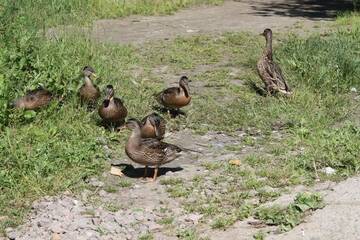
pixel 232 16
pixel 242 15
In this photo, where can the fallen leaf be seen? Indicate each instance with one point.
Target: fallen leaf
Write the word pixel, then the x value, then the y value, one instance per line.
pixel 236 162
pixel 55 236
pixel 116 171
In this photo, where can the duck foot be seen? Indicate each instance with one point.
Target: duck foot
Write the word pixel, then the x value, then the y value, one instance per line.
pixel 173 113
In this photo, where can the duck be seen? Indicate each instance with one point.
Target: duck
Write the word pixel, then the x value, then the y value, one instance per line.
pixel 174 98
pixel 112 109
pixel 153 126
pixel 33 99
pixel 269 71
pixel 89 92
pixel 148 151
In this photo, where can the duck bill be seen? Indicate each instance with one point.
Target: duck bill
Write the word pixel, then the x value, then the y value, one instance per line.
pixel 94 75
pixel 157 132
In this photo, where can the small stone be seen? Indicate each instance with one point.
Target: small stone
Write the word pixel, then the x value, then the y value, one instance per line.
pixel 353 89
pixel 56 228
pixel 194 218
pixel 10 233
pixel 95 183
pixel 103 193
pixel 89 233
pixel 328 171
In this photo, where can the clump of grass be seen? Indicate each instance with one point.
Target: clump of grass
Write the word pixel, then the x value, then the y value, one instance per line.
pixel 291 216
pixel 124 183
pixel 147 236
pixel 189 234
pixel 223 222
pixel 166 221
pixel 112 207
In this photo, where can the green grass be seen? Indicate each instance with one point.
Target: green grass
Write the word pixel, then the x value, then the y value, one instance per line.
pixel 147 236
pixel 287 218
pixel 54 149
pixel 63 12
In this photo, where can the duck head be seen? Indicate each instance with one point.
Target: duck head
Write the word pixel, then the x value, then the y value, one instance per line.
pixel 154 120
pixel 88 71
pixel 109 91
pixel 267 33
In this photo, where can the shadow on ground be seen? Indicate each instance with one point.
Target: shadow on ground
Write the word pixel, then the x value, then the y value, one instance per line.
pixel 132 172
pixel 311 9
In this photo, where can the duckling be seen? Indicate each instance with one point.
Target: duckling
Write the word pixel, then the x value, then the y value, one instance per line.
pixel 34 99
pixel 112 110
pixel 148 151
pixel 175 98
pixel 153 126
pixel 269 71
pixel 89 93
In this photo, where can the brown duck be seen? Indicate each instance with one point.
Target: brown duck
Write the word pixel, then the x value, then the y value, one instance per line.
pixel 153 126
pixel 112 110
pixel 89 93
pixel 175 97
pixel 269 71
pixel 148 151
pixel 34 99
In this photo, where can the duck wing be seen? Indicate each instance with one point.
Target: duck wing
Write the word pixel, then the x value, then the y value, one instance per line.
pixel 167 94
pixel 277 76
pixel 159 152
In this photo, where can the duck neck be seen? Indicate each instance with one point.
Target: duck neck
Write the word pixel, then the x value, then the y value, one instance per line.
pixel 88 81
pixel 268 46
pixel 185 88
pixel 135 137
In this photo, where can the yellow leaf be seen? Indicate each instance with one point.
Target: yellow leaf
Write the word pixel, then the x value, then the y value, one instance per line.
pixel 236 162
pixel 116 171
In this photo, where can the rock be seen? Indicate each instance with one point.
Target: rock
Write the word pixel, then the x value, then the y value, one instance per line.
pixel 89 233
pixel 82 223
pixel 103 193
pixel 95 182
pixel 10 233
pixel 55 236
pixel 353 90
pixel 116 171
pixel 194 218
pixel 328 170
pixel 57 228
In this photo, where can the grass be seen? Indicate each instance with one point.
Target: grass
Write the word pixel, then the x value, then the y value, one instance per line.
pixel 292 215
pixel 51 150
pixel 147 236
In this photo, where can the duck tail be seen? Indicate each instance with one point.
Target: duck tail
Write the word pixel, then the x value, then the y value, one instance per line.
pixel 189 150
